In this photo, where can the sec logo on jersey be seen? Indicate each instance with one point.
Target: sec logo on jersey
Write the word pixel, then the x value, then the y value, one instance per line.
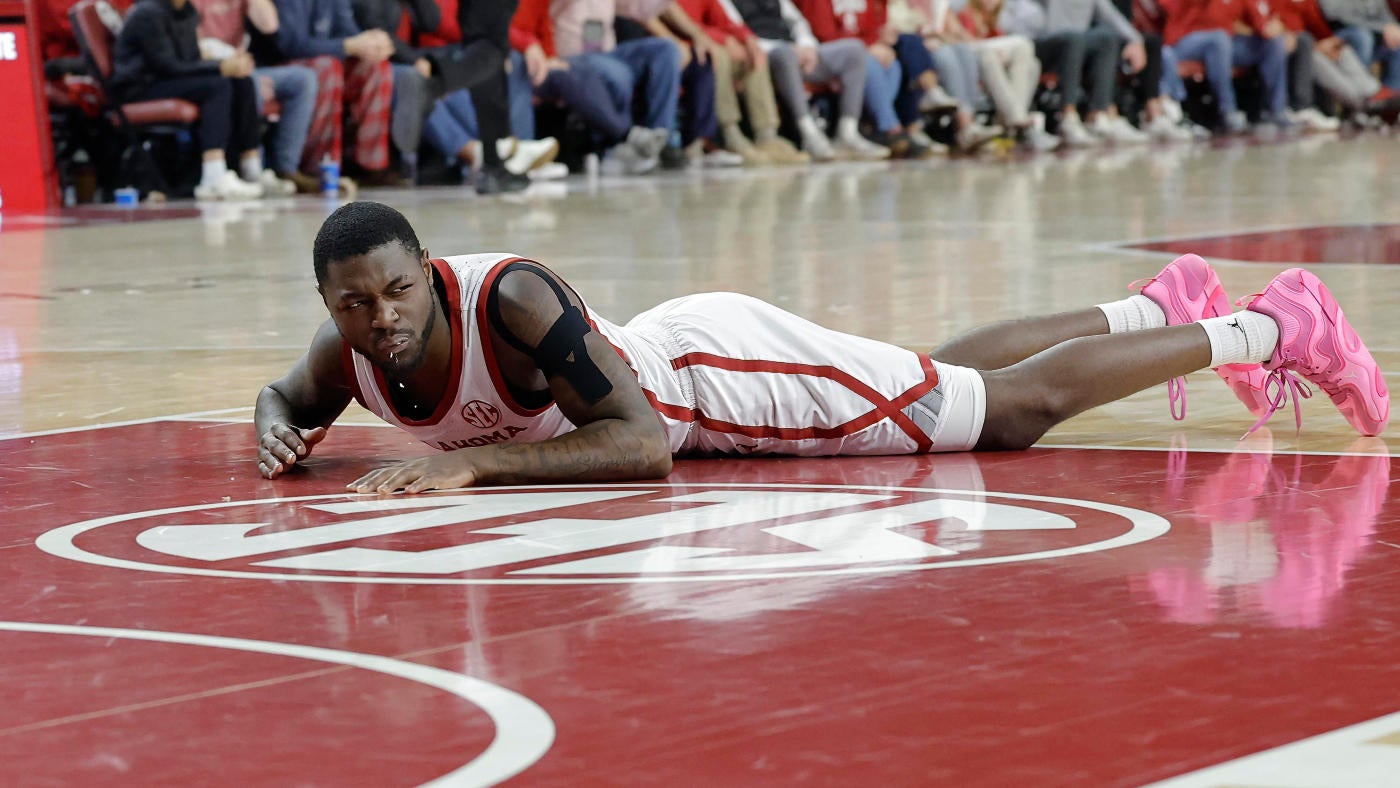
pixel 482 415
pixel 622 533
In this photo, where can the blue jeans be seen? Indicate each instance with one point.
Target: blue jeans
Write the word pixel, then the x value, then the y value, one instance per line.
pixel 1221 53
pixel 1370 48
pixel 519 91
pixel 1270 55
pixel 882 84
pixel 295 88
pixel 585 92
pixel 1211 48
pixel 655 63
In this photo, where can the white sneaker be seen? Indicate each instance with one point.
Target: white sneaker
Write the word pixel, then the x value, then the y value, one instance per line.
pixel 1116 130
pixel 273 185
pixel 972 137
pixel 1172 109
pixel 553 171
pixel 1037 139
pixel 1313 120
pixel 638 154
pixel 854 146
pixel 918 137
pixel 817 145
pixel 228 187
pixel 521 156
pixel 936 98
pixel 1074 135
pixel 721 158
pixel 1163 129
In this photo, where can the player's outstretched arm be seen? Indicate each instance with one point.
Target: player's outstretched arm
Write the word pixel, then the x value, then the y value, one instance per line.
pixel 294 411
pixel 540 337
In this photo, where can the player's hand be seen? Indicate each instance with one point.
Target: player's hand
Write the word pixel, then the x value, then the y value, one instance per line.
pixel 438 472
pixel 1135 55
pixel 283 445
pixel 807 59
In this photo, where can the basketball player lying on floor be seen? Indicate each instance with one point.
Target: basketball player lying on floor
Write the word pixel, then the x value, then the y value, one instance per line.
pixel 498 362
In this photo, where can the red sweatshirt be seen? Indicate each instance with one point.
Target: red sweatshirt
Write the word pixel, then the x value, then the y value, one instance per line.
pixel 715 21
pixel 532 25
pixel 832 20
pixel 448 31
pixel 1300 15
pixel 1191 16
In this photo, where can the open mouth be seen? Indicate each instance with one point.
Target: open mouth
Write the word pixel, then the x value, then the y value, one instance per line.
pixel 393 345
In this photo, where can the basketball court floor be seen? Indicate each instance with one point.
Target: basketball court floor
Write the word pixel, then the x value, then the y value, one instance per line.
pixel 1136 601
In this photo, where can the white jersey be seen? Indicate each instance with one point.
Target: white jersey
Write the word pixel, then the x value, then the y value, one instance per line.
pixel 724 372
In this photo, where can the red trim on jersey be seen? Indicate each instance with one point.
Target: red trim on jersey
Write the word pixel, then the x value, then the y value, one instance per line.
pixel 453 308
pixel 489 353
pixel 884 408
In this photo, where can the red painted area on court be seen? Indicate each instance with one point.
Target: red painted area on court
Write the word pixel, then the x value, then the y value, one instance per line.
pixel 1362 243
pixel 1266 614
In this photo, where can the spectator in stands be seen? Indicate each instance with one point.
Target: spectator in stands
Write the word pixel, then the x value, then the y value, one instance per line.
pixel 538 67
pixel 797 59
pixel 353 72
pixel 1204 31
pixel 1087 41
pixel 1303 24
pixel 1163 119
pixel 411 72
pixel 1336 66
pixel 927 41
pixel 1010 72
pixel 221 35
pixel 1370 28
pixel 699 123
pixel 836 20
pixel 157 57
pixel 584 36
pixel 740 58
pixel 475 57
pixel 467 47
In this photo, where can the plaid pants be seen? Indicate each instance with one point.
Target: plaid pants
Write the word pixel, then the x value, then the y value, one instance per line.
pixel 363 91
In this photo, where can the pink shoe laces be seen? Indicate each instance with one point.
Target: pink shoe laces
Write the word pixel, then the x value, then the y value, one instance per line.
pixel 1176 387
pixel 1277 387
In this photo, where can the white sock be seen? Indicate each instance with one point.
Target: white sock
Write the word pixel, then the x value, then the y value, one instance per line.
pixel 1242 338
pixel 250 167
pixel 1133 313
pixel 214 170
pixel 847 130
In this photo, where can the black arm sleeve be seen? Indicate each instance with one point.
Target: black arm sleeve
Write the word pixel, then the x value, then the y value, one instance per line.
pixel 561 352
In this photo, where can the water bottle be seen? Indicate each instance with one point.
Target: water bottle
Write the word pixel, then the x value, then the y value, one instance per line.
pixel 330 176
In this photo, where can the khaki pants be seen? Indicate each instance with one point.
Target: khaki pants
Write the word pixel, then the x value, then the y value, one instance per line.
pixel 758 94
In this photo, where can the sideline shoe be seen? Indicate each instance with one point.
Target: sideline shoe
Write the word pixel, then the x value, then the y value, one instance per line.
pixel 499 180
pixel 1317 342
pixel 521 156
pixel 228 187
pixel 1188 290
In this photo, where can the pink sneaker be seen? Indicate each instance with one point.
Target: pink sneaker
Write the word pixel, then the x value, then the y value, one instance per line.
pixel 1317 342
pixel 1188 290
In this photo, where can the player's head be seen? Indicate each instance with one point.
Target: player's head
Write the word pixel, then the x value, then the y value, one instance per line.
pixel 376 280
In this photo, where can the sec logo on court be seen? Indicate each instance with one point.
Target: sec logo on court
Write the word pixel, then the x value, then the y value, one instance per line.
pixel 619 533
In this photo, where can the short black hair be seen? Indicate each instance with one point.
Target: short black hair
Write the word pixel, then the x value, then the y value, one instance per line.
pixel 357 228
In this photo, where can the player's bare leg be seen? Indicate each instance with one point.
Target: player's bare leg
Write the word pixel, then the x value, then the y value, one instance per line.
pixel 1028 398
pixel 999 345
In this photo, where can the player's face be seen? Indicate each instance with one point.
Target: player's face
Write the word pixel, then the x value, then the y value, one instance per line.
pixel 382 303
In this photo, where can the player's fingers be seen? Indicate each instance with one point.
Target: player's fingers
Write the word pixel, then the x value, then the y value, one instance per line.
pixel 288 435
pixel 365 483
pixel 268 465
pixel 312 436
pixel 397 480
